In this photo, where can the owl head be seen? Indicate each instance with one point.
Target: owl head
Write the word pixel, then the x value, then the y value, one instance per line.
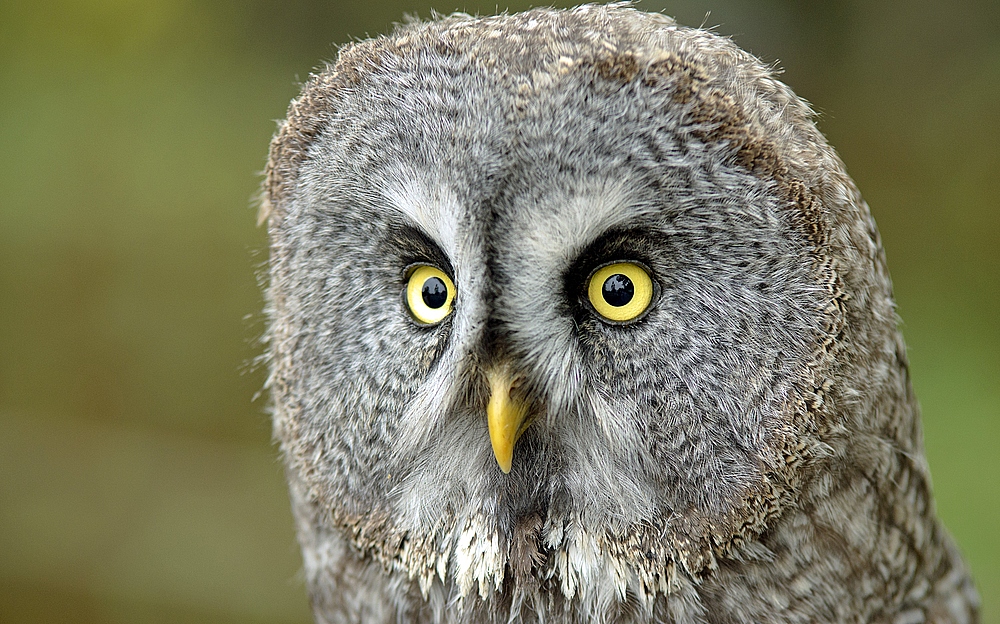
pixel 576 304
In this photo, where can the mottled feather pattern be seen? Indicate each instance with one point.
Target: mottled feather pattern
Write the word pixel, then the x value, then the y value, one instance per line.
pixel 748 450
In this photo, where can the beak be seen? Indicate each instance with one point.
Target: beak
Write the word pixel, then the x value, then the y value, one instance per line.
pixel 505 414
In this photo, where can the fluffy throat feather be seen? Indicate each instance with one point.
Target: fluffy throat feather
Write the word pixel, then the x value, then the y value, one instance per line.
pixel 467 557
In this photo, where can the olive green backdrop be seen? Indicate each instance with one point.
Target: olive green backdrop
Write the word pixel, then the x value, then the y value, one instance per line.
pixel 137 478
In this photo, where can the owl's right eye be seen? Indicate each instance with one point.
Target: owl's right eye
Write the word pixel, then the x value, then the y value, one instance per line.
pixel 620 292
pixel 429 294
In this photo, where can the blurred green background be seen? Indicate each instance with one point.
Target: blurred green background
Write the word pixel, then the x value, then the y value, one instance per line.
pixel 137 478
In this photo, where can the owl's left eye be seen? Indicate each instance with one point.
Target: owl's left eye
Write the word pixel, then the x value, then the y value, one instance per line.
pixel 429 294
pixel 620 292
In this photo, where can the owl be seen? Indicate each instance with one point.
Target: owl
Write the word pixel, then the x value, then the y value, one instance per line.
pixel 574 316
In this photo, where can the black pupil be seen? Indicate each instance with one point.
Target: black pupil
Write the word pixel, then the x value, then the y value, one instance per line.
pixel 618 290
pixel 434 292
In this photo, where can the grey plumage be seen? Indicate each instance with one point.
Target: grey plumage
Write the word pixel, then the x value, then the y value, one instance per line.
pixel 746 450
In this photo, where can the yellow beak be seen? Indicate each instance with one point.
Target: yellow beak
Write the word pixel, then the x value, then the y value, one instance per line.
pixel 505 415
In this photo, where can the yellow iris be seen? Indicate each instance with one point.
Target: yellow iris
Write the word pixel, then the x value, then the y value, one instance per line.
pixel 621 291
pixel 429 294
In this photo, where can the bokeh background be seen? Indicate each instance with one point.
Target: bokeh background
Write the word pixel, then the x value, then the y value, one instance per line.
pixel 138 482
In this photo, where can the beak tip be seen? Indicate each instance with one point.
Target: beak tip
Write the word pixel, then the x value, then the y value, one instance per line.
pixel 504 459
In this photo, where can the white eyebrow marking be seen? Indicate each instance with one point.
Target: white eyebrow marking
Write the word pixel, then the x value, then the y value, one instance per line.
pixel 578 220
pixel 434 209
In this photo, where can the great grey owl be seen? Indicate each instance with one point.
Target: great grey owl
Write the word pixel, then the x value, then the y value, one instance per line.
pixel 576 317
